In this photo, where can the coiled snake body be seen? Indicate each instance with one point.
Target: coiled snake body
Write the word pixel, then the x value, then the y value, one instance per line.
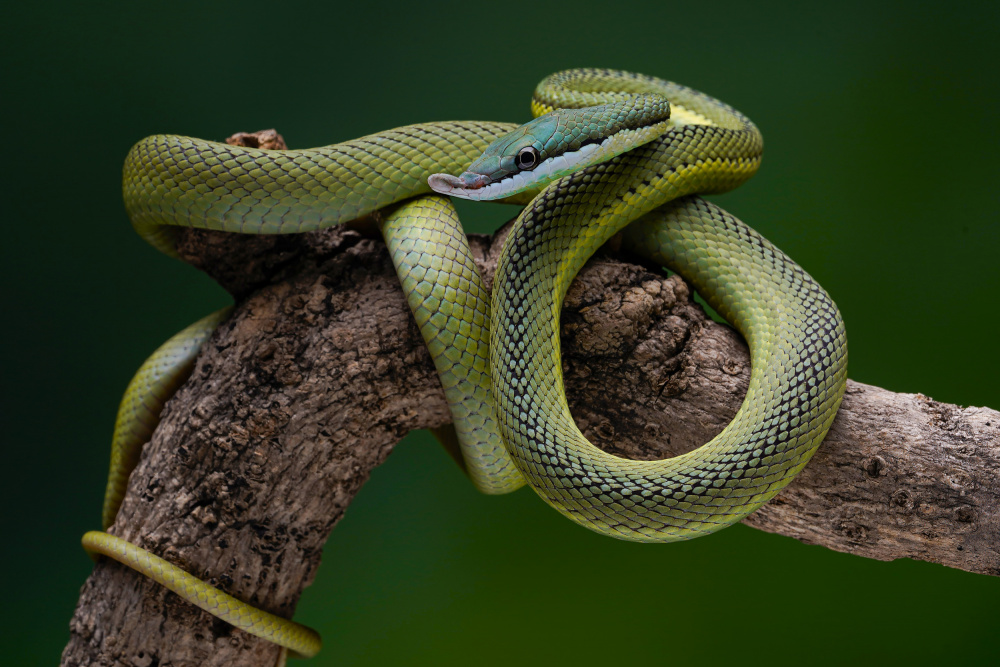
pixel 627 152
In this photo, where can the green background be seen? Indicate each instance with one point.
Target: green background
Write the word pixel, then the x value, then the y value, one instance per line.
pixel 879 177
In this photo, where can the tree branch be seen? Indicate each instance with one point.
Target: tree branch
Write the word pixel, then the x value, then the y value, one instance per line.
pixel 321 370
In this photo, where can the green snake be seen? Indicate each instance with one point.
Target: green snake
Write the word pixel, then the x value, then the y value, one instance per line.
pixel 608 152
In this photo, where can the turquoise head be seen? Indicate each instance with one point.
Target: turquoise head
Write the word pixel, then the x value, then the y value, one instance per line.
pixel 555 145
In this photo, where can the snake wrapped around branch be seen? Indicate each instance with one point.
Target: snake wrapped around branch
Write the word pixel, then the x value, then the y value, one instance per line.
pixel 608 152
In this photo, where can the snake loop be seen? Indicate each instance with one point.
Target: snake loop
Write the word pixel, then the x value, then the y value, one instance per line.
pixel 609 152
pixel 794 330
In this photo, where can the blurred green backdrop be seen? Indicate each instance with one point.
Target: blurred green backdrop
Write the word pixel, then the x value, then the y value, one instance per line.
pixel 879 177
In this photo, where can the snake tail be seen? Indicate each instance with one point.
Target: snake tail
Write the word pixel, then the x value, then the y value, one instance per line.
pixel 300 640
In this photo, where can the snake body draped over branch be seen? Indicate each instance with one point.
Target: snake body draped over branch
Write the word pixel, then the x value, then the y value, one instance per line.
pixel 609 152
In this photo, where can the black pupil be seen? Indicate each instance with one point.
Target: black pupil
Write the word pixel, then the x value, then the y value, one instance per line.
pixel 526 158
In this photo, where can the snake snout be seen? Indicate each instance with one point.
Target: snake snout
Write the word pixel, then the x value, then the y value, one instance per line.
pixel 448 184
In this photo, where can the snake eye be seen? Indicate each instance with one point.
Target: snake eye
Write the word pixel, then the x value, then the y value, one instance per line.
pixel 527 159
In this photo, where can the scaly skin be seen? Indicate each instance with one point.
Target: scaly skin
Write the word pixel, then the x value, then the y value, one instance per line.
pixel 451 305
pixel 506 394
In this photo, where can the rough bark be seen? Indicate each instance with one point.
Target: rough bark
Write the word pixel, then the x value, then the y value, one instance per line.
pixel 321 370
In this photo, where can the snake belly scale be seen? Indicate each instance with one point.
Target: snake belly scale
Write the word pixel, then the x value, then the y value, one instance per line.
pixel 632 160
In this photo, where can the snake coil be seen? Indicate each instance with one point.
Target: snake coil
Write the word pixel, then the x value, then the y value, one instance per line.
pixel 624 153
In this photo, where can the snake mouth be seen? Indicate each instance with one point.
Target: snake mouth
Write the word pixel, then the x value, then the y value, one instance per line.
pixel 477 187
pixel 458 186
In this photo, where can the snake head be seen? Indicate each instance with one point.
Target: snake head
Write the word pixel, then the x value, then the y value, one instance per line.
pixel 555 145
